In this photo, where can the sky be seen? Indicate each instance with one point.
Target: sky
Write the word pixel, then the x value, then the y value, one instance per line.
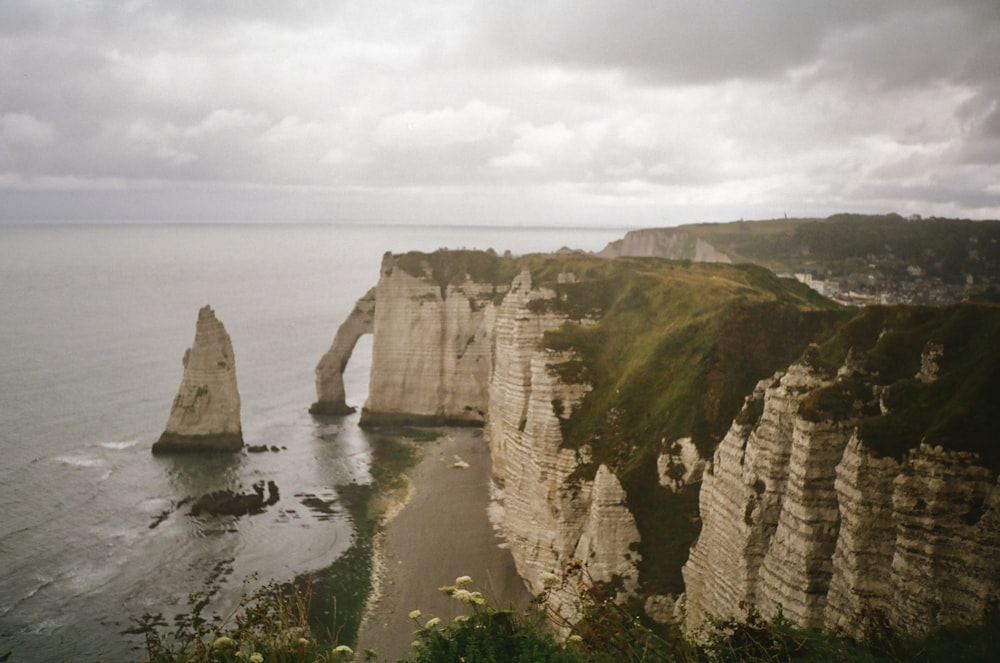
pixel 634 113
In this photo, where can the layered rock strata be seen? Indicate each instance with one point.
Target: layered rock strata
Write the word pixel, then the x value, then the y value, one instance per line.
pixel 432 350
pixel 664 243
pixel 801 515
pixel 330 396
pixel 553 513
pixel 205 415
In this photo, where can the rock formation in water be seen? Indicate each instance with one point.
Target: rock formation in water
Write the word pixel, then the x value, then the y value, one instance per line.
pixel 330 396
pixel 205 415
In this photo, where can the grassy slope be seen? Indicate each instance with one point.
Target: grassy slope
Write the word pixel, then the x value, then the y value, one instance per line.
pixel 955 411
pixel 676 348
pixel 836 246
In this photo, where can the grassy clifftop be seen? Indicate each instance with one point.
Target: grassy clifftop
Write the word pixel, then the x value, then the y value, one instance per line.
pixel 935 372
pixel 671 351
pixel 884 246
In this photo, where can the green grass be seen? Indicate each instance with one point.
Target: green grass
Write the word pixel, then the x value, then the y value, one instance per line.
pixel 954 411
pixel 842 244
pixel 675 349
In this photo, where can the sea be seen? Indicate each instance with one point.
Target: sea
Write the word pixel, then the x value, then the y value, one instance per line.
pixel 94 321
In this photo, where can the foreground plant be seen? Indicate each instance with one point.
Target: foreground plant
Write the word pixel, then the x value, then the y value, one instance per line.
pixel 269 624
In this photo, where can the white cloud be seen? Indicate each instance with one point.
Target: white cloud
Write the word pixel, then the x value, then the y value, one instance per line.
pixel 723 108
pixel 476 122
pixel 25 129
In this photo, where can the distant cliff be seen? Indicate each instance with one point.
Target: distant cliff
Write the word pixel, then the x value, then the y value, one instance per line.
pixel 605 386
pixel 852 258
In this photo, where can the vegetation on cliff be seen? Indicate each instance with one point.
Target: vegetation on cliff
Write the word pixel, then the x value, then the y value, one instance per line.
pixel 920 374
pixel 671 350
pixel 882 246
pixel 270 625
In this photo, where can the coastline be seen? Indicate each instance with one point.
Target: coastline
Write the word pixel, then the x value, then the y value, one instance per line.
pixel 433 530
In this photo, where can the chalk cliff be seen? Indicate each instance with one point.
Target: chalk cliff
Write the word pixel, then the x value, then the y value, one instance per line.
pixel 432 350
pixel 205 415
pixel 330 396
pixel 664 243
pixel 808 508
pixel 855 483
pixel 553 512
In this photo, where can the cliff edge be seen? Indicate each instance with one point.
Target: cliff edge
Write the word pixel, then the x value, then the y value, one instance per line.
pixel 859 487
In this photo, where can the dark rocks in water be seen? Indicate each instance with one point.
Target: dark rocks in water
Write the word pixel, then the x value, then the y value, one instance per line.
pixel 231 503
pixel 171 443
pixel 263 448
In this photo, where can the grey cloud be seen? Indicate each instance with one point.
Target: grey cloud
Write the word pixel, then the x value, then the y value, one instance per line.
pixel 318 105
pixel 685 42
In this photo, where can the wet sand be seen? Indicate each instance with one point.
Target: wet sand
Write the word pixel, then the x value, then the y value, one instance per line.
pixel 442 532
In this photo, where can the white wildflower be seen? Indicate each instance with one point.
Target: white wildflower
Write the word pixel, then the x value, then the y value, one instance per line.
pixel 462 581
pixel 343 649
pixel 574 638
pixel 223 643
pixel 415 614
pixel 256 657
pixel 548 579
pixel 432 622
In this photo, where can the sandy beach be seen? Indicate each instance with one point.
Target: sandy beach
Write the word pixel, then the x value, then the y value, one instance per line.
pixel 441 533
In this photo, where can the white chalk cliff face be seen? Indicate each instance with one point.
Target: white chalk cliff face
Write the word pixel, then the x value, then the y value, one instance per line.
pixel 552 514
pixel 432 350
pixel 205 415
pixel 330 396
pixel 665 243
pixel 801 514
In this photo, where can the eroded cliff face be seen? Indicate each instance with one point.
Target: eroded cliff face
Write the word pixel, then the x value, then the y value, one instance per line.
pixel 330 396
pixel 665 243
pixel 432 349
pixel 553 512
pixel 205 415
pixel 803 515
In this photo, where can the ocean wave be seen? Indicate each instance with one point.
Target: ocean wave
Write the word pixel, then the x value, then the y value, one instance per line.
pixel 80 461
pixel 125 444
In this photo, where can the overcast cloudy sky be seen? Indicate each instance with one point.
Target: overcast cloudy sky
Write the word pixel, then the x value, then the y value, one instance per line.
pixel 631 113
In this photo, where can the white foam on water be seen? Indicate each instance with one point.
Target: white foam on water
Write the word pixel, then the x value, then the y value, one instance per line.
pixel 80 461
pixel 125 444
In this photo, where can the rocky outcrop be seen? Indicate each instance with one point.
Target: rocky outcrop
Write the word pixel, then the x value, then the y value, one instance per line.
pixel 432 352
pixel 664 243
pixel 802 515
pixel 205 415
pixel 330 396
pixel 554 513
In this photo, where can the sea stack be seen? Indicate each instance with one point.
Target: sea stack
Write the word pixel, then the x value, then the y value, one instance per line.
pixel 205 415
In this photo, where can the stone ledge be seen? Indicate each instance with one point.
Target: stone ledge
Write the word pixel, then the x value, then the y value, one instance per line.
pixel 370 419
pixel 176 443
pixel 332 408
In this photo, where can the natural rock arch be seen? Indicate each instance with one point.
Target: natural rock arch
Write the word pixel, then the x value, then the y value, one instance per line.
pixel 330 394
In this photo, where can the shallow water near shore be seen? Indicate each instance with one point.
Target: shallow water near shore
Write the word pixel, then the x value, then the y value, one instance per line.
pixel 96 319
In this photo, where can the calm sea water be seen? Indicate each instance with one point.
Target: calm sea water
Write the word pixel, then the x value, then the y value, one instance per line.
pixel 94 320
